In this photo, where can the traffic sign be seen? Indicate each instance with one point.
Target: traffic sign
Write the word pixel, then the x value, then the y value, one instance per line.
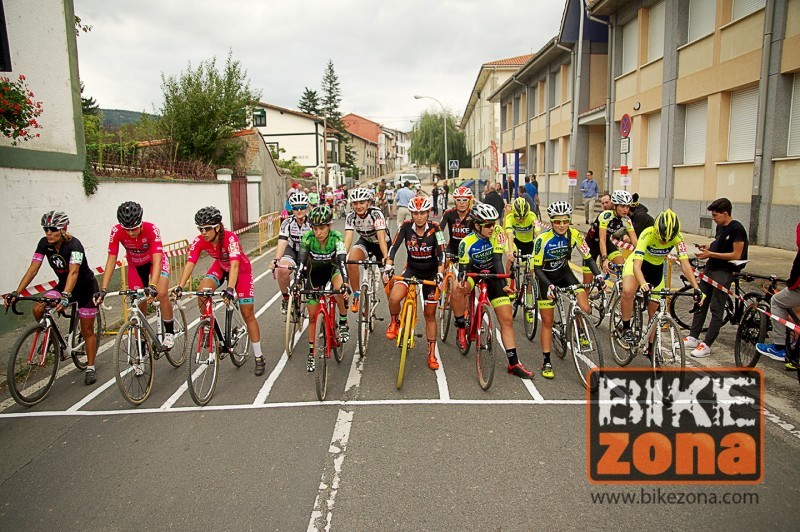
pixel 453 164
pixel 625 125
pixel 624 145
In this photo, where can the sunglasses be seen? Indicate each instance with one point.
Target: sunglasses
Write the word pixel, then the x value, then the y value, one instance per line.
pixel 560 222
pixel 462 200
pixel 300 207
pixel 51 229
pixel 131 228
pixel 488 224
pixel 206 228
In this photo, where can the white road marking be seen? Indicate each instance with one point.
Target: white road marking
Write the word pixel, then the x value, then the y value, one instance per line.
pixel 356 370
pixel 441 379
pixel 528 383
pixel 263 394
pixel 322 514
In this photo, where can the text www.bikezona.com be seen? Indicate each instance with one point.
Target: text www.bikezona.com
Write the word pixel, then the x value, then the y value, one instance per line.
pixel 659 496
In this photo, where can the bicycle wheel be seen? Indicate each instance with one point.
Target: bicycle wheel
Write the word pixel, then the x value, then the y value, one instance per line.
pixel 294 316
pixel 177 355
pixel 364 319
pixel 619 349
pixel 484 355
pixel 597 305
pixel 559 342
pixel 133 363
pixel 406 333
pixel 32 365
pixel 320 347
pixel 751 331
pixel 203 364
pixel 586 350
pixel 240 339
pixel 668 349
pixel 529 306
pixel 445 310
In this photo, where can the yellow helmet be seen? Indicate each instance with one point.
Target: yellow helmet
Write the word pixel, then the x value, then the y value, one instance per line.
pixel 667 225
pixel 521 207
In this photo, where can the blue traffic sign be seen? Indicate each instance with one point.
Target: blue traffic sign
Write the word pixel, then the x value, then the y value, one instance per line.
pixel 453 164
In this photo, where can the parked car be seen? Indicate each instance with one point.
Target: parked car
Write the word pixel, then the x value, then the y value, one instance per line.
pixel 399 179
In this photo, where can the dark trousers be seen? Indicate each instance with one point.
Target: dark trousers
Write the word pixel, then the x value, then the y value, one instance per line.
pixel 715 300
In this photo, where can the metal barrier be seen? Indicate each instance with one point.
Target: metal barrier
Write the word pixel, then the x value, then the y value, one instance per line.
pixel 178 254
pixel 268 227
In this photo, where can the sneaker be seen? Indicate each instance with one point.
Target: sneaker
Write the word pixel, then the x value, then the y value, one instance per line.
pixel 701 351
pixel 394 328
pixel 775 352
pixel 628 337
pixel 284 304
pixel 547 370
pixel 518 370
pixel 354 304
pixel 432 362
pixel 90 377
pixel 311 364
pixel 260 365
pixel 344 332
pixel 462 337
pixel 168 342
pixel 690 342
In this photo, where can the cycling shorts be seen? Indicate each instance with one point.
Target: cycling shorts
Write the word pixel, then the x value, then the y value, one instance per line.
pixel 245 288
pixel 494 289
pixel 594 250
pixel 524 248
pixel 452 248
pixel 563 281
pixel 653 274
pixel 289 255
pixel 370 249
pixel 139 276
pixel 428 291
pixel 83 293
pixel 318 277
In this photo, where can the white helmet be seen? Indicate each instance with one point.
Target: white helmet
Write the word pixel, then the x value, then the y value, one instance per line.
pixel 483 212
pixel 298 198
pixel 463 192
pixel 621 197
pixel 559 208
pixel 361 194
pixel 420 204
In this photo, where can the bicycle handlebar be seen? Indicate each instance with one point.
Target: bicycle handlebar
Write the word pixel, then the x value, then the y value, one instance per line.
pixel 366 262
pixel 490 275
pixel 48 301
pixel 413 280
pixel 572 287
pixel 323 292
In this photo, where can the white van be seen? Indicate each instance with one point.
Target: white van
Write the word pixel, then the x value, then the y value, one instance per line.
pixel 399 179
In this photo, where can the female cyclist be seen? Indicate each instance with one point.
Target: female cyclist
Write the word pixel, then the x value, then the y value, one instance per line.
pixel 291 231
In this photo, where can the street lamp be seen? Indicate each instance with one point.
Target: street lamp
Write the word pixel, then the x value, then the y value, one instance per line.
pixel 444 123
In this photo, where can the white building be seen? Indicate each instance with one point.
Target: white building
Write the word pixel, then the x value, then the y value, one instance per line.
pixel 299 134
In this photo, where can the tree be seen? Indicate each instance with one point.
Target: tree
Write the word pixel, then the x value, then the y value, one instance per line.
pixel 203 107
pixel 350 157
pixel 309 102
pixel 427 141
pixel 331 98
pixel 88 104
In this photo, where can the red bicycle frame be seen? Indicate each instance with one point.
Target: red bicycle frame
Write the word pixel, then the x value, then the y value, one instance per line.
pixel 483 297
pixel 327 307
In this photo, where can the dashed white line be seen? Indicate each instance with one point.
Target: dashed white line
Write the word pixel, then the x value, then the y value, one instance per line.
pixel 441 379
pixel 322 514
pixel 526 382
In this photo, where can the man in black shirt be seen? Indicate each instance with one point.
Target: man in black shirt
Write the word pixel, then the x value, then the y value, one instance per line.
pixel 730 243
pixel 640 218
pixel 494 199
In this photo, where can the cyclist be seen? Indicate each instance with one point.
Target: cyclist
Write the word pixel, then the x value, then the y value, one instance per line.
pixel 550 263
pixel 313 197
pixel 388 195
pixel 644 268
pixel 482 250
pixel 373 235
pixel 321 259
pixel 230 264
pixel 329 197
pixel 291 231
pixel 521 228
pixel 458 220
pixel 340 199
pixel 76 281
pixel 609 223
pixel 425 249
pixel 147 264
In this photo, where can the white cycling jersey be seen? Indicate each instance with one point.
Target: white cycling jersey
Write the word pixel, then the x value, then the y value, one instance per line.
pixel 367 226
pixel 292 231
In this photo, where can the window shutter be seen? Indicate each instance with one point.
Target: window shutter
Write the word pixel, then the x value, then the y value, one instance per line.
pixel 655 32
pixel 794 119
pixel 702 14
pixel 742 126
pixel 630 36
pixel 653 140
pixel 557 87
pixel 694 148
pixel 743 8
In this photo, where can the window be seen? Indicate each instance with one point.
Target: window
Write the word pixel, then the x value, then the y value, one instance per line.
pixel 534 101
pixel 5 47
pixel 655 32
pixel 701 18
pixel 653 140
pixel 742 8
pixel 556 155
pixel 694 141
pixel 630 36
pixel 557 87
pixel 568 79
pixel 259 118
pixel 742 126
pixel 517 100
pixel 794 119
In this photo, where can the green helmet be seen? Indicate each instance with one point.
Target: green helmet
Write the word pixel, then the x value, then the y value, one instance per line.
pixel 322 215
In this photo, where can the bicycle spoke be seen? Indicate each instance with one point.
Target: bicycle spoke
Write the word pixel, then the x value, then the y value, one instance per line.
pixel 32 365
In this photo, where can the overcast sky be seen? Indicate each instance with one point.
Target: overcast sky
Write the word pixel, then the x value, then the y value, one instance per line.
pixel 383 52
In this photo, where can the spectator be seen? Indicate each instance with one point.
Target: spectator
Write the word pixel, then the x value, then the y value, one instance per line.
pixel 493 198
pixel 509 191
pixel 446 190
pixel 533 192
pixel 640 218
pixel 402 198
pixel 590 190
pixel 524 194
pixel 435 195
pixel 730 243
pixel 605 202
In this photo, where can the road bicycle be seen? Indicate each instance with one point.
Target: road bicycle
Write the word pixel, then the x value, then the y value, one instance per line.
pixel 601 301
pixel 445 309
pixel 295 314
pixel 341 208
pixel 367 301
pixel 755 326
pixel 210 345
pixel 408 321
pixel 480 327
pixel 527 290
pixel 34 358
pixel 577 335
pixel 326 336
pixel 138 345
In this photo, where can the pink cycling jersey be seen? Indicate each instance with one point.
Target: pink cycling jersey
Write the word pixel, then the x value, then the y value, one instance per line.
pixel 140 249
pixel 231 250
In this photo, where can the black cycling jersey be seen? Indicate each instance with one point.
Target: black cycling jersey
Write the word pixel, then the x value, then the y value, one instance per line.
pixel 425 252
pixel 458 228
pixel 70 252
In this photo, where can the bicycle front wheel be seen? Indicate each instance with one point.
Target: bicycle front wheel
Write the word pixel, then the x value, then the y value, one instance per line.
pixel 668 349
pixel 531 315
pixel 586 351
pixel 240 339
pixel 597 305
pixel 751 331
pixel 406 332
pixel 364 319
pixel 320 349
pixel 134 363
pixel 484 356
pixel 203 364
pixel 445 310
pixel 32 365
pixel 78 345
pixel 177 355
pixel 294 316
pixel 622 352
pixel 559 341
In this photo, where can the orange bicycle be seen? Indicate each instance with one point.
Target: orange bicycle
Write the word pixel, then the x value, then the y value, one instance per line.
pixel 445 310
pixel 408 321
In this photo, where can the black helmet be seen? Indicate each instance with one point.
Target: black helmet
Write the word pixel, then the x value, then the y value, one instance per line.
pixel 129 215
pixel 322 215
pixel 207 216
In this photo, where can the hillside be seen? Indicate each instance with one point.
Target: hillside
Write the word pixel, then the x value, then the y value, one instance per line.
pixel 114 118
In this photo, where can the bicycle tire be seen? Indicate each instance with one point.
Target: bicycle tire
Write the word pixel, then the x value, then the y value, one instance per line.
pixel 78 351
pixel 680 306
pixel 587 353
pixel 484 348
pixel 533 326
pixel 180 328
pixel 133 373
pixel 445 309
pixel 364 319
pixel 751 331
pixel 293 318
pixel 240 339
pixel 666 344
pixel 30 384
pixel 621 352
pixel 320 348
pixel 558 343
pixel 597 305
pixel 203 358
pixel 405 342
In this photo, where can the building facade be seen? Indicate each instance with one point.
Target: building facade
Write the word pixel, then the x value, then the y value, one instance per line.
pixel 366 155
pixel 292 133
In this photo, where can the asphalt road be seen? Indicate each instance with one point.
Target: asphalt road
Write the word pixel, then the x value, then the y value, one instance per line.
pixel 440 454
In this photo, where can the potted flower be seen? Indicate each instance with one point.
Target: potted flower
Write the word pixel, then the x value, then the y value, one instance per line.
pixel 18 110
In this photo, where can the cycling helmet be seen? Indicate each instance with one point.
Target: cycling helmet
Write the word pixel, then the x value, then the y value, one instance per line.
pixel 298 198
pixel 420 204
pixel 361 194
pixel 559 208
pixel 129 215
pixel 55 219
pixel 483 212
pixel 667 226
pixel 463 192
pixel 521 208
pixel 621 197
pixel 207 216
pixel 322 215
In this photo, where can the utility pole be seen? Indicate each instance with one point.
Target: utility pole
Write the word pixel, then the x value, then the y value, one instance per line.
pixel 325 148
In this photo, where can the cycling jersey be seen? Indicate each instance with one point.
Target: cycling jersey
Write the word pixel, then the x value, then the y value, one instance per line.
pixel 425 252
pixel 650 249
pixel 458 228
pixel 551 253
pixel 322 261
pixel 476 254
pixel 611 223
pixel 292 231
pixel 367 226
pixel 523 229
pixel 313 198
pixel 230 250
pixel 70 252
pixel 140 249
pixel 389 194
pixel 339 194
pixel 329 198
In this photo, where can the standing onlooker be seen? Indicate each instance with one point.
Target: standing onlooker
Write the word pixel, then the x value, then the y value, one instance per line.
pixel 640 218
pixel 533 192
pixel 435 195
pixel 446 190
pixel 590 190
pixel 493 198
pixel 403 197
pixel 524 194
pixel 605 202
pixel 730 243
pixel 510 188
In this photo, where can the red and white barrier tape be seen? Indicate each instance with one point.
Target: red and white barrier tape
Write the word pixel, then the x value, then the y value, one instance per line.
pixel 49 285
